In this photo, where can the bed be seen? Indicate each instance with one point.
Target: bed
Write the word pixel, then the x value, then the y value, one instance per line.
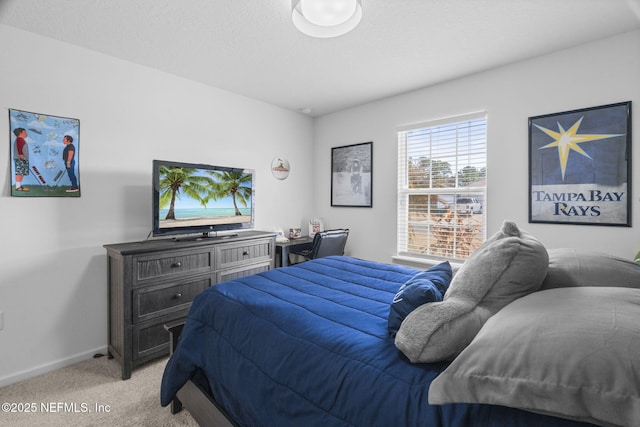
pixel 330 342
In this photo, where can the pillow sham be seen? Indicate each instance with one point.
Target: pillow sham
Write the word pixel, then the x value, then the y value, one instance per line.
pixel 426 286
pixel 566 352
pixel 577 267
pixel 510 264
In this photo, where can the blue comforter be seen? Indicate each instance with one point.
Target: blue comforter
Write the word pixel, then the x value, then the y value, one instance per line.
pixel 308 345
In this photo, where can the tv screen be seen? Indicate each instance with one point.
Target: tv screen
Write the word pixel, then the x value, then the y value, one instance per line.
pixel 198 198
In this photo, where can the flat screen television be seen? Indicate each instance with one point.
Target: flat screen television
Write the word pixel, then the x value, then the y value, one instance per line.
pixel 192 199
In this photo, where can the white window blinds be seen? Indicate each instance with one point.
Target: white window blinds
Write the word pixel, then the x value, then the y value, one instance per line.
pixel 442 167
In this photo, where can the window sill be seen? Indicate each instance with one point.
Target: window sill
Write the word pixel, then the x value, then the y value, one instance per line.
pixel 408 261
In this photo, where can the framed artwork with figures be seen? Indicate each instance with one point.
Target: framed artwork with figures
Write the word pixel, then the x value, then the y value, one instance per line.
pixel 44 153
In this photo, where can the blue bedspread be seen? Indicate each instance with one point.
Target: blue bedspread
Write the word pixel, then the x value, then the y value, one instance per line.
pixel 308 345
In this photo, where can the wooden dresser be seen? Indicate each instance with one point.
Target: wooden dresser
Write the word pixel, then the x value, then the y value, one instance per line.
pixel 153 283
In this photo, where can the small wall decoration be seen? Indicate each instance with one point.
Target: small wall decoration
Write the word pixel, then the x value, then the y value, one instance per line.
pixel 44 155
pixel 580 166
pixel 351 175
pixel 280 168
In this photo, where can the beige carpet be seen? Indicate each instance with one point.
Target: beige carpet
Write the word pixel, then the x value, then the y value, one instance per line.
pixel 92 393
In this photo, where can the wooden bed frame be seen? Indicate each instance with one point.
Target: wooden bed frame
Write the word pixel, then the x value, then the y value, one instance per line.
pixel 204 409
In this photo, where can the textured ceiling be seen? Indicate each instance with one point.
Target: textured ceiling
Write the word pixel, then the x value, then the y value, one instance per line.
pixel 250 47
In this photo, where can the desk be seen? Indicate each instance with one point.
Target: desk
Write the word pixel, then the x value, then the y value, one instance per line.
pixel 283 249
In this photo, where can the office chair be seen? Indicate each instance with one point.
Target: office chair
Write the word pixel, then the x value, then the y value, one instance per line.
pixel 325 243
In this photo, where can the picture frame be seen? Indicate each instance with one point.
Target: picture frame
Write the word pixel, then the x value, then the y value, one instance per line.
pixel 580 166
pixel 351 175
pixel 44 153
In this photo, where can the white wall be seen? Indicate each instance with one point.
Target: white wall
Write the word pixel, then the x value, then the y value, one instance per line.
pixel 595 74
pixel 53 289
pixel 53 267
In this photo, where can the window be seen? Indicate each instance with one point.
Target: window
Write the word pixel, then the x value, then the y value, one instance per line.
pixel 442 167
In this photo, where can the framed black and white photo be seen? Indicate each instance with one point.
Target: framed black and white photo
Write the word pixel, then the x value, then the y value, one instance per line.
pixel 351 175
pixel 580 166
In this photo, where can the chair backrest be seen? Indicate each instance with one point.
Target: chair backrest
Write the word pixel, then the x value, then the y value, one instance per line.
pixel 329 242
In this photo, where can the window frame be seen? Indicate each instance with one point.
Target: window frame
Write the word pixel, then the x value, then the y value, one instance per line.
pixel 404 194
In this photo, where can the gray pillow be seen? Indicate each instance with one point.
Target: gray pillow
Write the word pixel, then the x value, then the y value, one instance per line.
pixel 567 352
pixel 508 265
pixel 577 267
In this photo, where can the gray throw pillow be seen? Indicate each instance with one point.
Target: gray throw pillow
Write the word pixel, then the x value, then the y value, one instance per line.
pixel 569 267
pixel 567 352
pixel 510 264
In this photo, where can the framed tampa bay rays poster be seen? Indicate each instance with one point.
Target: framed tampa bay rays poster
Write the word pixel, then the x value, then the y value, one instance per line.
pixel 44 155
pixel 580 166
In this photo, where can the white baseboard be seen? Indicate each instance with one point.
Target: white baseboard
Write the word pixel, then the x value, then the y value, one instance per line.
pixel 48 367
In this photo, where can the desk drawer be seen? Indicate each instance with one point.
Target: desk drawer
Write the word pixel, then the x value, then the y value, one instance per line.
pixel 154 301
pixel 150 268
pixel 233 254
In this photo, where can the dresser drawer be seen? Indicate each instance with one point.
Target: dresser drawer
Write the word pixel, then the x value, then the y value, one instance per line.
pixel 150 268
pixel 236 273
pixel 155 301
pixel 232 254
pixel 150 340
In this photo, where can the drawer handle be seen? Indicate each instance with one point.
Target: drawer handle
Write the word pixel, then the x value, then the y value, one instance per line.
pixel 176 264
pixel 178 295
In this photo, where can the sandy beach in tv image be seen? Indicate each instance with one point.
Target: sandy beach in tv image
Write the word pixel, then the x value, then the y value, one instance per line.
pixel 211 220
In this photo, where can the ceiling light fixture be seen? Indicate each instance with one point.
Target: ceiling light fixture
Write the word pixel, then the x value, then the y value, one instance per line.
pixel 326 18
